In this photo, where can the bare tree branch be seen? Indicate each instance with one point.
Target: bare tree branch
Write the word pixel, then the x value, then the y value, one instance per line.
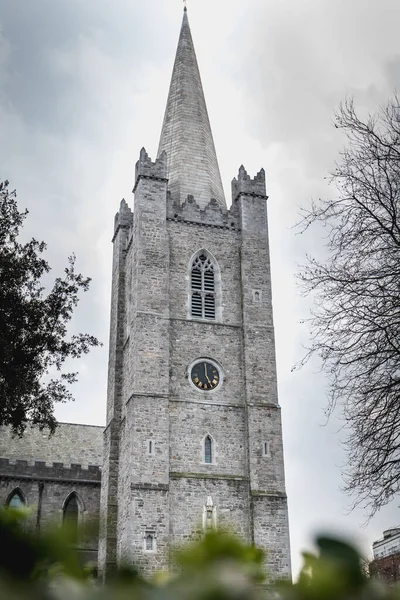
pixel 355 318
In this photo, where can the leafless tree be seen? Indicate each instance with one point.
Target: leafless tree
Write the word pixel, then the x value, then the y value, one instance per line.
pixel 355 318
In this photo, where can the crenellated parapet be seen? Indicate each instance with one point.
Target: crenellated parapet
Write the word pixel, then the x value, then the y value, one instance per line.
pixel 57 471
pixel 123 218
pixel 245 185
pixel 146 168
pixel 212 215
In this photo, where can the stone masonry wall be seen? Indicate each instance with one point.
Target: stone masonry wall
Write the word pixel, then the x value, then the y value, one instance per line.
pixel 45 490
pixel 224 245
pixel 267 479
pixel 70 444
pixel 225 424
pixel 146 374
pixel 165 490
pixel 188 496
pixel 271 532
pixel 109 486
pixel 46 469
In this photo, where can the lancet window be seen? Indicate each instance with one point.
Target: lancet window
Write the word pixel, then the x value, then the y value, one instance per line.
pixel 208 450
pixel 71 515
pixel 203 288
pixel 16 499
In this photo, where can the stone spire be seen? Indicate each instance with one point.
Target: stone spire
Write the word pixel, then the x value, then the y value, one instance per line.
pixel 186 133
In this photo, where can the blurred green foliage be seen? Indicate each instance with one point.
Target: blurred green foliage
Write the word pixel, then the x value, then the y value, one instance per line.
pixel 217 567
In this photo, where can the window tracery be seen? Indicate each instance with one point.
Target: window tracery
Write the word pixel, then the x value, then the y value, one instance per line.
pixel 203 288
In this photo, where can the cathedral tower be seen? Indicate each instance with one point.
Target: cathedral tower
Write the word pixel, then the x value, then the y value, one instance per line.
pixel 193 436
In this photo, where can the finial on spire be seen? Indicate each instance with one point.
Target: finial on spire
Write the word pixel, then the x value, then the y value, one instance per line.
pixel 185 6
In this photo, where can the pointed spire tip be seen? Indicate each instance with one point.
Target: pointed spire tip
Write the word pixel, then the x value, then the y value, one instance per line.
pixel 192 163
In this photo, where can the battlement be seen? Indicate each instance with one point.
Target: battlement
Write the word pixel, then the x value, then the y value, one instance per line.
pixel 244 184
pixel 212 215
pixel 124 217
pixel 57 471
pixel 145 167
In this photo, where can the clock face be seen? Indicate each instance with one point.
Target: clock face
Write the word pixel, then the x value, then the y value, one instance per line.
pixel 205 375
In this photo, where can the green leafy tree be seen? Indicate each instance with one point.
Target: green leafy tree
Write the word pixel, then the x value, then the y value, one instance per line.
pixel 34 341
pixel 217 567
pixel 355 323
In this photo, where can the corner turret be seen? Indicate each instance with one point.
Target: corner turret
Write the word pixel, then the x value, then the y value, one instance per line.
pixel 244 184
pixel 146 168
pixel 123 218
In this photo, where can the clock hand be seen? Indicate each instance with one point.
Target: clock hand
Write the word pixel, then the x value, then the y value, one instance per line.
pixel 205 372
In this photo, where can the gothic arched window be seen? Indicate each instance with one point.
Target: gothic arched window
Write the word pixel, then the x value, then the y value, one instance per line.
pixel 203 287
pixel 71 515
pixel 16 499
pixel 208 451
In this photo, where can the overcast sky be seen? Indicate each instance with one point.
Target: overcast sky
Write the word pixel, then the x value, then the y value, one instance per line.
pixel 83 86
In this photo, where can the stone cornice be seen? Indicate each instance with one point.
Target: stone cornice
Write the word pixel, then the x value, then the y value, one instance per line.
pixel 164 179
pixel 219 476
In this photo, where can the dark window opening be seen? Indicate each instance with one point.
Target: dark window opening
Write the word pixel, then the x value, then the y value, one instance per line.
pixel 71 516
pixel 208 450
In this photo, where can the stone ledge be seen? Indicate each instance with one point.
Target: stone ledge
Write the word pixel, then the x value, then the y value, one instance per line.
pixel 154 177
pixel 154 487
pixel 206 323
pixel 178 475
pixel 19 477
pixel 207 402
pixel 251 195
pixel 264 405
pixel 265 494
pixel 201 224
pixel 142 395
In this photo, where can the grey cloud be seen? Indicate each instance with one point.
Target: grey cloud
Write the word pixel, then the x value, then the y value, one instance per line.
pixel 392 69
pixel 82 88
pixel 44 38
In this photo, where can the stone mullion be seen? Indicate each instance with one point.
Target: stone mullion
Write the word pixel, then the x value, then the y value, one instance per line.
pixel 203 293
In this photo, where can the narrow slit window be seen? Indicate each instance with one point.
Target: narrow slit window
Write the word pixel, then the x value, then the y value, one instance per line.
pixel 208 450
pixel 203 288
pixel 150 447
pixel 265 448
